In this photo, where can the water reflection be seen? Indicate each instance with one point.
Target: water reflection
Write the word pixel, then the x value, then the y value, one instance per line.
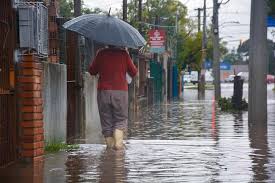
pixel 238 123
pixel 75 165
pixel 112 167
pixel 23 172
pixel 260 151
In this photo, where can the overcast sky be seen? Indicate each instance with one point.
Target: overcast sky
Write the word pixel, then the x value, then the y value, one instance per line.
pixel 234 11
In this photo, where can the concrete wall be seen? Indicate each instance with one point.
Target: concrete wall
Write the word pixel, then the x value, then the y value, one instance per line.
pixel 55 101
pixel 91 116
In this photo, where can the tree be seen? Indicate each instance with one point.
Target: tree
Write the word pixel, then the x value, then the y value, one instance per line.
pixel 244 49
pixel 191 52
pixel 164 10
pixel 222 48
pixel 234 57
pixel 67 7
pixel 164 13
pixel 271 5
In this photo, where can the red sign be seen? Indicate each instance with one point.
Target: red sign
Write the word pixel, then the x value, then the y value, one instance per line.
pixel 157 38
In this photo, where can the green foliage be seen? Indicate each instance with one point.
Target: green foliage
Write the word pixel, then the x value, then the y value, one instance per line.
pixel 165 12
pixel 226 105
pixel 191 51
pixel 67 9
pixel 222 47
pixel 244 49
pixel 233 57
pixel 271 6
pixel 56 146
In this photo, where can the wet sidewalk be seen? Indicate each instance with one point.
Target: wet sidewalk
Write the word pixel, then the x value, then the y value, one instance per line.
pixel 186 140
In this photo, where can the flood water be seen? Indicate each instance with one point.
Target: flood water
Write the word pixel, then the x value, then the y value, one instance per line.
pixel 186 140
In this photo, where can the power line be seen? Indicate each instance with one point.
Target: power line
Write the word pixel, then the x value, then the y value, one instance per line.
pixel 224 2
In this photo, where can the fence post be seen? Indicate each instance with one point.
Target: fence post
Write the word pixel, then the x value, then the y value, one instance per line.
pixel 31 109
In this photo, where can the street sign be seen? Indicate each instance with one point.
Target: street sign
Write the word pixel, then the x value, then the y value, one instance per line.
pixel 225 66
pixel 157 40
pixel 270 21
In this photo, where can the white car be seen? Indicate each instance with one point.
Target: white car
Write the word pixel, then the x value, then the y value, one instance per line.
pixel 186 78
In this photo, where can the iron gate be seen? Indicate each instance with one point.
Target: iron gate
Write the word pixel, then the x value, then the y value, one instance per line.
pixel 8 125
pixel 156 73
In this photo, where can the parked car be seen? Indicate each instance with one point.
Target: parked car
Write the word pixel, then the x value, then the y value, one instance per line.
pixel 187 78
pixel 229 79
pixel 270 78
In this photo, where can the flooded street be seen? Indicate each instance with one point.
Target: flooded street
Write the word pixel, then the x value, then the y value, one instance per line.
pixel 187 140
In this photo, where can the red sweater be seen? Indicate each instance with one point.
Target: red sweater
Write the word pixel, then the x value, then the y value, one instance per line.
pixel 112 65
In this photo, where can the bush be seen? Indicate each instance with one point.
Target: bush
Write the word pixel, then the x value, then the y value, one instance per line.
pixel 226 105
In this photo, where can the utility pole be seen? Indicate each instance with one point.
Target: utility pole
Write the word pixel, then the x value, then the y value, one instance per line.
pixel 199 18
pixel 140 15
pixel 124 9
pixel 216 51
pixel 79 123
pixel 257 109
pixel 201 84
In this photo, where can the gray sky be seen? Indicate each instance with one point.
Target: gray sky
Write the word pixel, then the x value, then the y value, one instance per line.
pixel 234 11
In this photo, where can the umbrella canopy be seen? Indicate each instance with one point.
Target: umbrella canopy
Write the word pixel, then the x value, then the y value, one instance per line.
pixel 107 30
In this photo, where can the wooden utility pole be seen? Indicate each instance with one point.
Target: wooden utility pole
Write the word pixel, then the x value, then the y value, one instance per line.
pixel 216 51
pixel 201 75
pixel 140 15
pixel 257 109
pixel 79 123
pixel 124 9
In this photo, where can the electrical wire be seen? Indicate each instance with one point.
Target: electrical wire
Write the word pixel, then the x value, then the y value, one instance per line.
pixel 224 2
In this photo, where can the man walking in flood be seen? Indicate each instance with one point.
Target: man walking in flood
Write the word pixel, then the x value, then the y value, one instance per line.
pixel 112 64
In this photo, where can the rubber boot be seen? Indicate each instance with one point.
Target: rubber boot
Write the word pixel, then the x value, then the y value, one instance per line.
pixel 118 136
pixel 109 142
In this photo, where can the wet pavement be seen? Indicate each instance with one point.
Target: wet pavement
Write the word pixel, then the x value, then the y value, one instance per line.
pixel 186 140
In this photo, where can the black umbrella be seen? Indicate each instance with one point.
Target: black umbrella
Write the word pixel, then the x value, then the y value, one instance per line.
pixel 107 30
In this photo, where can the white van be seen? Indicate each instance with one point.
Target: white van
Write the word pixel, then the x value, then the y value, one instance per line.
pixel 186 78
pixel 194 77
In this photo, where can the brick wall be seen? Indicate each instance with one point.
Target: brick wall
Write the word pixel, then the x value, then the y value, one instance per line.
pixel 31 108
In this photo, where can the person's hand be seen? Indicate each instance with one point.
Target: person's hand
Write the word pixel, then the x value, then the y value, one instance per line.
pixel 126 49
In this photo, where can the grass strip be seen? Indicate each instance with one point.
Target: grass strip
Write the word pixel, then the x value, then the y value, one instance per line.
pixel 56 146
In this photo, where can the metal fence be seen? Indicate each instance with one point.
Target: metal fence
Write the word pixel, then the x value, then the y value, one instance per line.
pixel 8 125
